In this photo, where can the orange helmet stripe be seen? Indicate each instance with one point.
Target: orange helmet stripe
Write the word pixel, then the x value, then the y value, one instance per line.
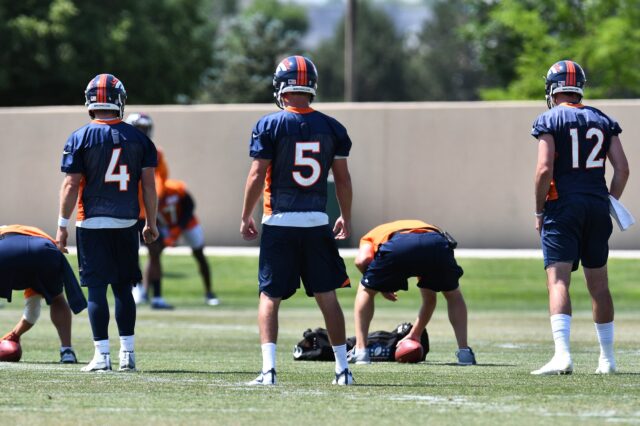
pixel 302 71
pixel 571 73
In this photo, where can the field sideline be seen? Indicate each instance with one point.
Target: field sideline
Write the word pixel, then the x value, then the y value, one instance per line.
pixel 193 361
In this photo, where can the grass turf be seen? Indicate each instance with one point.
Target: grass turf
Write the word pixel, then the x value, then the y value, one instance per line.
pixel 193 361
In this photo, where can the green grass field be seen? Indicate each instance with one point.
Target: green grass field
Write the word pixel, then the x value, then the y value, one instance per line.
pixel 195 360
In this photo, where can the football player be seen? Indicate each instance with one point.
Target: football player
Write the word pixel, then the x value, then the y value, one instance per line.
pixel 391 253
pixel 104 162
pixel 177 218
pixel 293 151
pixel 31 261
pixel 152 271
pixel 572 207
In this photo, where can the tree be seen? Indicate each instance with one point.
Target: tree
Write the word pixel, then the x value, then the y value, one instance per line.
pixel 51 49
pixel 248 50
pixel 380 58
pixel 602 35
pixel 444 64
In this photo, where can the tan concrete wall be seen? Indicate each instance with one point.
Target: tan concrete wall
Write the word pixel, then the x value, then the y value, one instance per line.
pixel 465 166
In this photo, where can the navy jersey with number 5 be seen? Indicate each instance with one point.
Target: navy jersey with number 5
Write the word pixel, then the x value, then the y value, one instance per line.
pixel 582 137
pixel 301 144
pixel 110 155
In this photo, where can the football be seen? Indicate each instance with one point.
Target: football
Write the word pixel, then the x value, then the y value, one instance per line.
pixel 10 351
pixel 409 351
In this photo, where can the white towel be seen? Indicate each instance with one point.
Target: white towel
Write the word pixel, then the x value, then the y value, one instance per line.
pixel 623 217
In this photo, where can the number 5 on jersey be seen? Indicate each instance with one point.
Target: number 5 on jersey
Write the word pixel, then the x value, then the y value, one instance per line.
pixel 307 161
pixel 122 177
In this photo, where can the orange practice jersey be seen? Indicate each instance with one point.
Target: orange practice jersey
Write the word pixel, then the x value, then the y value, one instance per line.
pixel 170 205
pixel 26 230
pixel 162 174
pixel 381 234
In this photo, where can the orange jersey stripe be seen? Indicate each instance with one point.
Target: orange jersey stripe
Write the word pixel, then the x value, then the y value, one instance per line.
pixel 266 194
pixel 553 192
pixel 80 215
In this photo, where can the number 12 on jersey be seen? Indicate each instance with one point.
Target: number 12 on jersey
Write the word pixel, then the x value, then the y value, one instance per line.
pixel 592 161
pixel 122 177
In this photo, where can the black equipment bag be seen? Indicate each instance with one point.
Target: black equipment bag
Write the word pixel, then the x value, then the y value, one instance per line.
pixel 315 344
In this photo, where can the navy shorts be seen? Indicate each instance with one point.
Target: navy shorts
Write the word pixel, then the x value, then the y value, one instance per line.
pixel 576 229
pixel 108 256
pixel 288 254
pixel 425 255
pixel 30 262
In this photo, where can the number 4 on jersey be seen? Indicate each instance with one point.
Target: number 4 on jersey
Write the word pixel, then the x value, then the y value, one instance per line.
pixel 122 178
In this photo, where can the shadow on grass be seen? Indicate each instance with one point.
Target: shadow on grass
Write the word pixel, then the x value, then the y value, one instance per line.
pixel 454 364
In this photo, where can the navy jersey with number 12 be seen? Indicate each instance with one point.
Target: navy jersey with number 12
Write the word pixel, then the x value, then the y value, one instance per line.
pixel 110 155
pixel 582 137
pixel 301 144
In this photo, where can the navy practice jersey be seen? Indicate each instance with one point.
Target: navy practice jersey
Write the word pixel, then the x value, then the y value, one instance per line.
pixel 110 155
pixel 582 138
pixel 301 144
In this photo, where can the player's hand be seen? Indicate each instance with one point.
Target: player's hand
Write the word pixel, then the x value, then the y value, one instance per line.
pixel 408 337
pixel 248 229
pixel 539 224
pixel 393 296
pixel 61 239
pixel 150 233
pixel 342 229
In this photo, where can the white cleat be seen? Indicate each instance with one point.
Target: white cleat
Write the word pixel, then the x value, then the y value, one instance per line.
pixel 127 361
pixel 606 367
pixel 99 363
pixel 266 378
pixel 360 357
pixel 555 367
pixel 343 379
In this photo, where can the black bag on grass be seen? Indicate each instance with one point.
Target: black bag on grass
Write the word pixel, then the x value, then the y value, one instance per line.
pixel 381 345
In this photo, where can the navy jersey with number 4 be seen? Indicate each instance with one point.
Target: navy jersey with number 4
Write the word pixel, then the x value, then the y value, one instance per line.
pixel 110 155
pixel 582 137
pixel 301 144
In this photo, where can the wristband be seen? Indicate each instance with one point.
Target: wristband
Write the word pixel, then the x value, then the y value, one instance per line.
pixel 62 222
pixel 539 214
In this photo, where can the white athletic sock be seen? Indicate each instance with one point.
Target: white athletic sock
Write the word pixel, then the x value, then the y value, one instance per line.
pixel 561 329
pixel 102 346
pixel 268 356
pixel 64 348
pixel 127 343
pixel 340 352
pixel 605 338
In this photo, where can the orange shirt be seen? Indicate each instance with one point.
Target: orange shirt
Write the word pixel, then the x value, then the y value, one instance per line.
pixel 162 174
pixel 25 230
pixel 381 234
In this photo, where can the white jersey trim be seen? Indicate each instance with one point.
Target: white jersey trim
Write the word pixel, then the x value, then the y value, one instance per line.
pixel 297 219
pixel 104 222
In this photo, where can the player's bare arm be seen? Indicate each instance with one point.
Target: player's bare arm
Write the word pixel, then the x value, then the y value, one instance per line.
pixel 150 199
pixel 68 198
pixel 364 256
pixel 620 165
pixel 252 192
pixel 344 193
pixel 544 174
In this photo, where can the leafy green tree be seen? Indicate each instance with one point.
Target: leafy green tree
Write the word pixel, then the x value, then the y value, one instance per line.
pixel 249 48
pixel 444 65
pixel 52 48
pixel 602 35
pixel 380 58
